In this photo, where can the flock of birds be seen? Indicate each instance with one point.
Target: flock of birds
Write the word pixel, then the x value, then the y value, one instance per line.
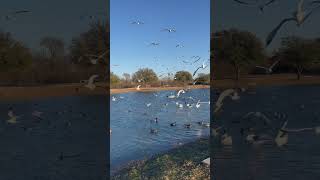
pixel 252 137
pixel 181 102
pixel 299 16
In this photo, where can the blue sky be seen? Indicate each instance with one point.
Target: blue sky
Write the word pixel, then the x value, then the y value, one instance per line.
pixel 129 43
pixel 228 13
pixel 59 18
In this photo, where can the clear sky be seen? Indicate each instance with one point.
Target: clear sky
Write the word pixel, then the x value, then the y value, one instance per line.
pixel 129 43
pixel 59 18
pixel 228 13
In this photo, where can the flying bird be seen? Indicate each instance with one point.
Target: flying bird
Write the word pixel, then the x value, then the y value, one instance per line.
pixel 169 30
pixel 203 66
pixel 90 83
pixel 299 16
pixel 269 70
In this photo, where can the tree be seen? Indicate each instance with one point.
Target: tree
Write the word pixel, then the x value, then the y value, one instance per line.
pixel 145 75
pixel 237 48
pixel 114 79
pixel 54 46
pixel 126 77
pixel 183 76
pixel 14 56
pixel 203 78
pixel 299 52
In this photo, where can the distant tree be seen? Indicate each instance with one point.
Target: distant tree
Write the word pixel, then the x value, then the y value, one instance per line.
pixel 183 76
pixel 94 43
pixel 126 77
pixel 114 79
pixel 203 78
pixel 237 48
pixel 299 52
pixel 13 54
pixel 145 75
pixel 55 47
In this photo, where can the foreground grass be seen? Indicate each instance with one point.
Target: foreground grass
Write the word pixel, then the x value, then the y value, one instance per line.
pixel 183 162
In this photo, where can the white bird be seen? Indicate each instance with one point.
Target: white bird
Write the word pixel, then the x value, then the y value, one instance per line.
pixel 203 66
pixel 180 91
pixel 13 118
pixel 269 70
pixel 148 104
pixel 282 137
pixel 180 106
pixel 226 140
pixel 114 98
pixel 169 30
pixel 137 22
pixel 37 114
pixel 229 92
pixel 198 104
pixel 138 87
pixel 299 17
pixel 91 84
pixel 171 96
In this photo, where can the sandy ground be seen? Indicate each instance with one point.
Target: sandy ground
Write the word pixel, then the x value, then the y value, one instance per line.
pixel 22 93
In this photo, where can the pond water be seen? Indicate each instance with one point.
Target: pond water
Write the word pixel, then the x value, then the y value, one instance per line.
pixel 133 116
pixel 69 138
pixel 296 160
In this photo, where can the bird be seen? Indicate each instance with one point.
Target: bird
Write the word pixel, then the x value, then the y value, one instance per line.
pixel 173 124
pixel 137 22
pixel 299 16
pixel 12 116
pixel 114 98
pixel 188 125
pixel 96 58
pixel 269 70
pixel 169 30
pixel 180 91
pixel 154 44
pixel 198 104
pixel 91 84
pixel 148 104
pixel 282 136
pixel 226 139
pixel 203 66
pixel 259 115
pixel 138 87
pixel 205 124
pixel 37 114
pixel 222 96
pixel 171 96
pixel 179 45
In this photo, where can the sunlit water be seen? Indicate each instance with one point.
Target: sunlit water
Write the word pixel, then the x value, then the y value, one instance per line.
pixel 131 121
pixel 73 125
pixel 299 159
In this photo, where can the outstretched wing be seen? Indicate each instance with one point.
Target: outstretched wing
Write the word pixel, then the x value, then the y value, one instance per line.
pixel 273 33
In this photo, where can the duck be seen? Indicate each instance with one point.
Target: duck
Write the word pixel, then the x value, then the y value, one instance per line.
pixel 173 124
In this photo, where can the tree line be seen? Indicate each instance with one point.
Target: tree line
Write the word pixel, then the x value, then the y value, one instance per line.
pixel 146 77
pixel 235 52
pixel 54 62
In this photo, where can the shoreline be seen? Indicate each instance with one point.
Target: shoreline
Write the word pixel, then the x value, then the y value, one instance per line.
pixel 77 89
pixel 191 153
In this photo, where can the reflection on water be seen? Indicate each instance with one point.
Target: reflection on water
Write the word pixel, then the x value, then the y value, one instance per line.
pixel 132 119
pixel 298 159
pixel 69 138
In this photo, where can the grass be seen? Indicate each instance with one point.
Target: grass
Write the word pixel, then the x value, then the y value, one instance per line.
pixel 183 162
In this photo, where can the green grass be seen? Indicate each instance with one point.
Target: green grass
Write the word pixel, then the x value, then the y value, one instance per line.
pixel 183 162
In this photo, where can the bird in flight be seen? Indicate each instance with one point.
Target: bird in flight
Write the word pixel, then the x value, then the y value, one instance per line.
pixel 299 16
pixel 169 30
pixel 203 66
pixel 269 70
pixel 137 22
pixel 90 83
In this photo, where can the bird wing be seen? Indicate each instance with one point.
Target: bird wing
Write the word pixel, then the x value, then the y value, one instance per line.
pixel 91 79
pixel 262 67
pixel 273 33
pixel 241 2
pixel 223 95
pixel 194 73
pixel 275 63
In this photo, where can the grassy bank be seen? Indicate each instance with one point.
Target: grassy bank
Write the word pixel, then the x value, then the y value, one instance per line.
pixel 183 162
